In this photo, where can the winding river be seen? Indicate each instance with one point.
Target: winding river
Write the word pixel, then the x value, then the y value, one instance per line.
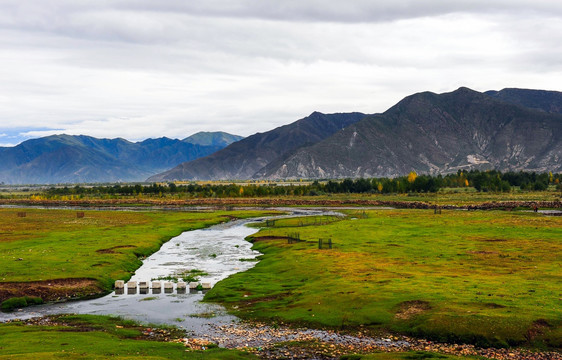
pixel 219 251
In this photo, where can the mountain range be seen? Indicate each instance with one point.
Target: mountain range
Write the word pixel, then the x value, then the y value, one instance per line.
pixel 431 133
pixel 511 129
pixel 80 159
pixel 245 158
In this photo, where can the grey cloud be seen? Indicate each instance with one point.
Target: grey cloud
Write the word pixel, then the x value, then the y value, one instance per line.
pixel 150 68
pixel 67 15
pixel 342 11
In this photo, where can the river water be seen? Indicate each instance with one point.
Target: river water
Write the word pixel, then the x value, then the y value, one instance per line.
pixel 218 251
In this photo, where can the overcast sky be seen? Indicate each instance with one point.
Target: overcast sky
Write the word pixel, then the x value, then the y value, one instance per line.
pixel 139 69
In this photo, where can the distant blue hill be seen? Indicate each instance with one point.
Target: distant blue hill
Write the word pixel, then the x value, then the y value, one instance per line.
pixel 215 138
pixel 81 159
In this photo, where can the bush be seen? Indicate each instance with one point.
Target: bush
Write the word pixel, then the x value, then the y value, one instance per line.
pixel 20 302
pixel 33 300
pixel 13 303
pixel 540 186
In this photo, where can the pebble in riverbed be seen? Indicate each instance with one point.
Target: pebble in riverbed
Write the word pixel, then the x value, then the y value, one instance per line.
pixel 284 342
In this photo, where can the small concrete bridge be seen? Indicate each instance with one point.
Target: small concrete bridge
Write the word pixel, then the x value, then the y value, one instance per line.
pixel 157 287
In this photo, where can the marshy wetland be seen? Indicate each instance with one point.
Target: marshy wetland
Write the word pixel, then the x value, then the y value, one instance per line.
pixel 488 279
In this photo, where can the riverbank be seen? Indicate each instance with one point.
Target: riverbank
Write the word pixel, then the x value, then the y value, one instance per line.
pixel 487 278
pixel 100 337
pixel 119 337
pixel 59 254
pixel 282 342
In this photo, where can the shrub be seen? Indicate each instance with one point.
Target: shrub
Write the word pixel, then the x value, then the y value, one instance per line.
pixel 20 302
pixel 33 300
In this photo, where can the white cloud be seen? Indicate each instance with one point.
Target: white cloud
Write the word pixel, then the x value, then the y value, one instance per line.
pixel 138 69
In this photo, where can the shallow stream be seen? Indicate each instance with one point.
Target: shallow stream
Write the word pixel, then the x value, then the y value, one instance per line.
pixel 219 251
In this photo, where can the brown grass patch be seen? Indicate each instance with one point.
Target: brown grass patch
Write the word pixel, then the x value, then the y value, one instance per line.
pixel 494 306
pixel 265 238
pixel 50 290
pixel 482 252
pixel 250 302
pixel 409 309
pixel 537 328
pixel 111 250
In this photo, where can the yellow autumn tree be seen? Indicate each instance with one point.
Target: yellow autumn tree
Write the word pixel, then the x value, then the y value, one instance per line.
pixel 412 176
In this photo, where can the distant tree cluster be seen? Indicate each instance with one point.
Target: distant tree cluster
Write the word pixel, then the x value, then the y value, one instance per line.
pixel 493 181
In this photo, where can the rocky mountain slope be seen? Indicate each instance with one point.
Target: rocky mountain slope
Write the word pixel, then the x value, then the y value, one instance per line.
pixel 431 133
pixel 547 101
pixel 245 158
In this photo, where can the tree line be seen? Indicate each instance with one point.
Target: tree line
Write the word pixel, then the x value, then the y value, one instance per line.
pixel 483 181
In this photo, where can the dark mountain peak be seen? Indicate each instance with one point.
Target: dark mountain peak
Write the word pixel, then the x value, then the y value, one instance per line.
pixel 417 98
pixel 465 90
pixel 215 138
pixel 245 158
pixel 162 141
pixel 523 91
pixel 435 133
pixel 543 100
pixel 460 92
pixel 426 102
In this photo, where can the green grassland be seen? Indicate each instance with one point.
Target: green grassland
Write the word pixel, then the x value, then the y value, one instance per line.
pixel 482 277
pixel 103 245
pixel 98 337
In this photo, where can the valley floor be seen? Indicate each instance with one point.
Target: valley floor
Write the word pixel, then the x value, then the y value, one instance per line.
pixel 486 278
